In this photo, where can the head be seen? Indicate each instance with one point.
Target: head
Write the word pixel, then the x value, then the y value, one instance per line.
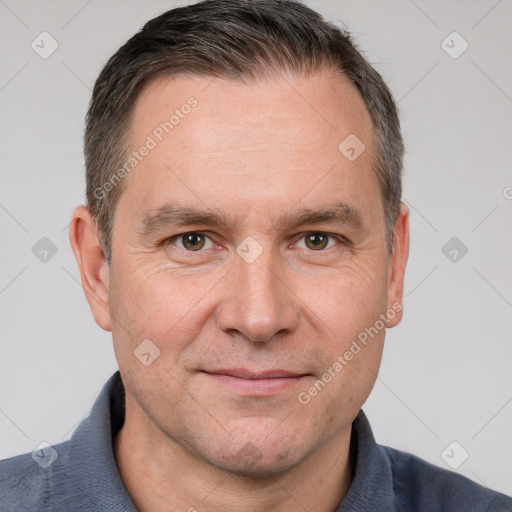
pixel 243 213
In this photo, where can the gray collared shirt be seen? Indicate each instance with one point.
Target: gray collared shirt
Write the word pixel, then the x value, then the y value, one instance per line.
pixel 85 478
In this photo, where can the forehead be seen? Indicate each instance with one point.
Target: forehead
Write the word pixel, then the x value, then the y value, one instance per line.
pixel 265 144
pixel 321 107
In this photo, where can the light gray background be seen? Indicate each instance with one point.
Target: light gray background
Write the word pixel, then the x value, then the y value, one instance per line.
pixel 446 374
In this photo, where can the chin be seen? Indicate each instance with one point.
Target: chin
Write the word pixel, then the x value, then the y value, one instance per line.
pixel 259 459
pixel 251 463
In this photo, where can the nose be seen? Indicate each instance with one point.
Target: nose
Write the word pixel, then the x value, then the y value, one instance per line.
pixel 259 302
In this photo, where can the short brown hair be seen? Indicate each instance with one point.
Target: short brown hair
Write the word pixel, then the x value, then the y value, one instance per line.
pixel 232 39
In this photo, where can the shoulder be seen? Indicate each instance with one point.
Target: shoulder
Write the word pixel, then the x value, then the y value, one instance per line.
pixel 419 485
pixel 29 480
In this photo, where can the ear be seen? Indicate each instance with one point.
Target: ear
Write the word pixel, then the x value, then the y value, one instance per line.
pixel 91 261
pixel 397 263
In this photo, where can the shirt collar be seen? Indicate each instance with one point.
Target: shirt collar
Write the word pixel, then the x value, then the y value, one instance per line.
pixel 92 464
pixel 372 481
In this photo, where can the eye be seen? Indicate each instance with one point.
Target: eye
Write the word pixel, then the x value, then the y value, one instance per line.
pixel 317 241
pixel 192 241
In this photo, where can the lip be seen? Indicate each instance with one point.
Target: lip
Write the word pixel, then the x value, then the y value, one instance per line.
pixel 249 382
pixel 244 373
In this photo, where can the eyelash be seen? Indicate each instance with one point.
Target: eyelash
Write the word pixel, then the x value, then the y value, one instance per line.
pixel 172 239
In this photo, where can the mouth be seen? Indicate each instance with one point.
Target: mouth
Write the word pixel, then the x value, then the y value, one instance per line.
pixel 248 382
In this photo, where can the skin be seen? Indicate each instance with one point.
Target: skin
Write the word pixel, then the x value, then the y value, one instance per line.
pixel 252 152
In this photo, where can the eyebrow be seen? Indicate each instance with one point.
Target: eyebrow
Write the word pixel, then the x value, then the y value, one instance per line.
pixel 174 215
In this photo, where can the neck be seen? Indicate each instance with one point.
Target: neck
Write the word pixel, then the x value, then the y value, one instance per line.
pixel 161 474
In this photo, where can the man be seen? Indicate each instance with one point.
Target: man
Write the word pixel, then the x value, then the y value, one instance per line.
pixel 245 243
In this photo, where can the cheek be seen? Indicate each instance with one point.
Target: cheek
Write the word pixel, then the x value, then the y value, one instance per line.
pixel 347 300
pixel 348 314
pixel 152 302
pixel 339 392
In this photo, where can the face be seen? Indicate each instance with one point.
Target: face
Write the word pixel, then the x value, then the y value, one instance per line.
pixel 251 252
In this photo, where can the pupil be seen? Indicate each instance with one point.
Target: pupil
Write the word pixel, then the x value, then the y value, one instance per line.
pixel 317 240
pixel 193 241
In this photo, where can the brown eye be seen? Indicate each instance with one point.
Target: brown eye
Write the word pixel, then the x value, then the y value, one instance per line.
pixel 193 241
pixel 316 241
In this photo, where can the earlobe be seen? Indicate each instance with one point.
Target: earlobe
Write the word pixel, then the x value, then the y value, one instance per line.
pixel 398 262
pixel 94 271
